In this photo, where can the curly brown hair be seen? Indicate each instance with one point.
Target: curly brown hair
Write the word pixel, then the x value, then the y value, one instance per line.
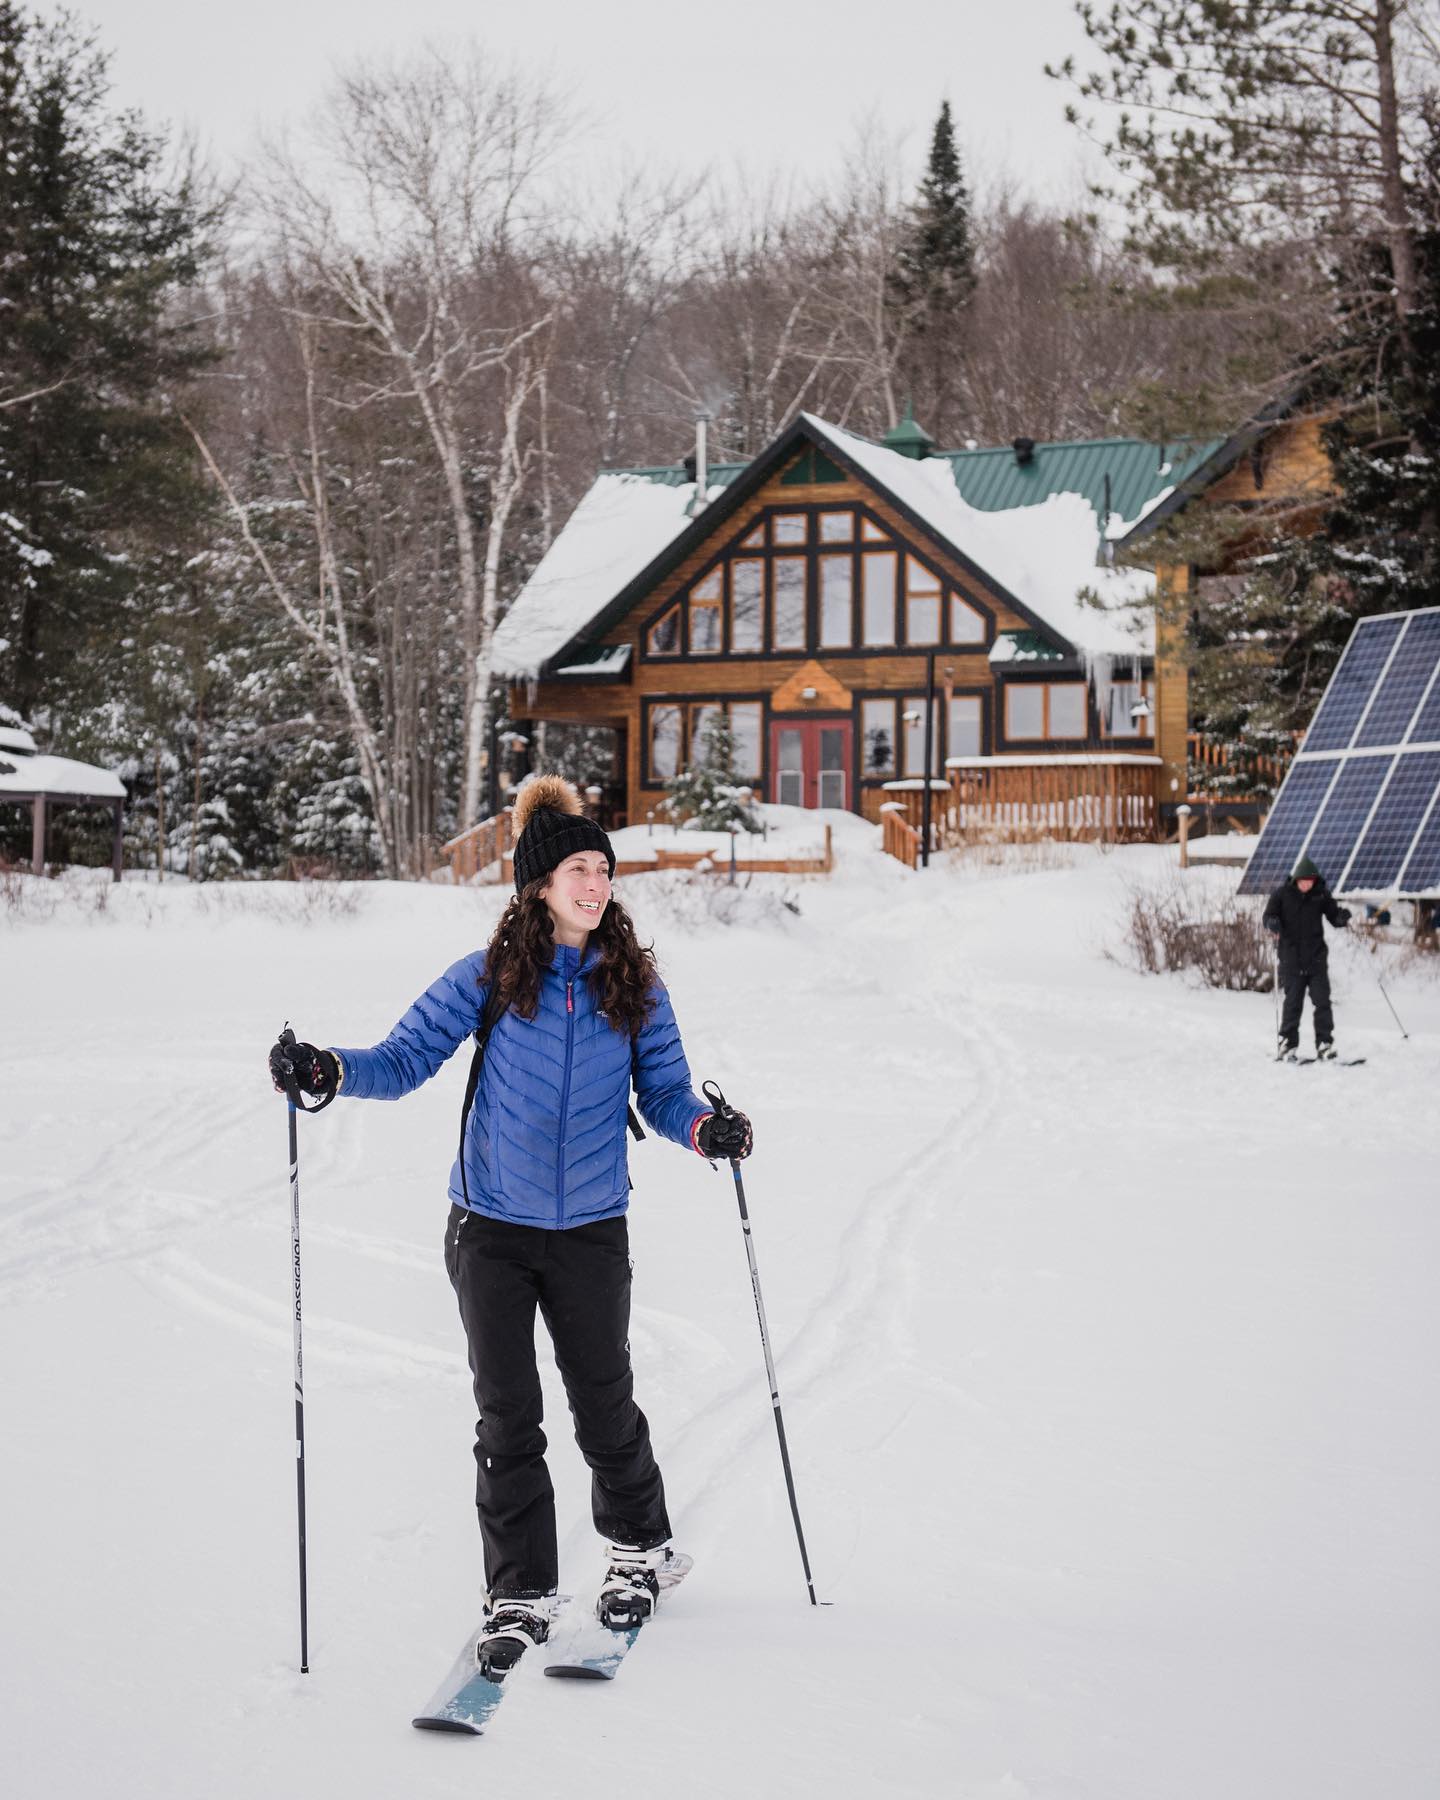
pixel 523 947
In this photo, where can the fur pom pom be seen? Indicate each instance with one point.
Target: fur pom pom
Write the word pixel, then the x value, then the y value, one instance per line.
pixel 544 790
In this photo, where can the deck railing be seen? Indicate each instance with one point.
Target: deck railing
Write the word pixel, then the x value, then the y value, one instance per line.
pixel 479 853
pixel 899 837
pixel 1102 799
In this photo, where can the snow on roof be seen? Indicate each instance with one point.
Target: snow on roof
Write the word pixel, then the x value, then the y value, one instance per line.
pixel 1045 555
pixel 618 529
pixel 22 773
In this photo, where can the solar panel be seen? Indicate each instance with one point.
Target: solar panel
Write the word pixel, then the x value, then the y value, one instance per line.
pixel 1362 798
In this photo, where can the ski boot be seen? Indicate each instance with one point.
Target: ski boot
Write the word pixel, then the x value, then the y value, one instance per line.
pixel 1325 1052
pixel 1285 1051
pixel 512 1626
pixel 631 1589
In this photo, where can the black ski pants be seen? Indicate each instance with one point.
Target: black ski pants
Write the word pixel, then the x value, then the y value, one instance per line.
pixel 1294 982
pixel 580 1281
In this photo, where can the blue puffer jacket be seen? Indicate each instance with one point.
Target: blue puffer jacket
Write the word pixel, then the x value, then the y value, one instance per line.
pixel 546 1142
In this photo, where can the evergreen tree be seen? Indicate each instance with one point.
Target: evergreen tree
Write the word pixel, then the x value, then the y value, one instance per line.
pixel 708 795
pixel 99 494
pixel 933 280
pixel 1268 640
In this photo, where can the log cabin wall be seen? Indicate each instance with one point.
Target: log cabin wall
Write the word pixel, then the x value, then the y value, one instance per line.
pixel 840 678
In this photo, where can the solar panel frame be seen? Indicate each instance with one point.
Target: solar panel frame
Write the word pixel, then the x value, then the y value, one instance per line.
pixel 1403 686
pixel 1384 846
pixel 1352 687
pixel 1356 786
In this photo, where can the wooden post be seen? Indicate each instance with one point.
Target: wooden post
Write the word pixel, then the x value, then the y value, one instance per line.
pixel 1182 813
pixel 37 835
pixel 117 857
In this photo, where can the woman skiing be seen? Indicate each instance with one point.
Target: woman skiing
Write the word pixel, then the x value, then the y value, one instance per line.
pixel 1295 916
pixel 570 1009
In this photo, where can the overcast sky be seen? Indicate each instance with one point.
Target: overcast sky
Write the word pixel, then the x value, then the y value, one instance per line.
pixel 774 84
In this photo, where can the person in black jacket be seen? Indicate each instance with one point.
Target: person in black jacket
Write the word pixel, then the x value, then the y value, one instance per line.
pixel 1295 915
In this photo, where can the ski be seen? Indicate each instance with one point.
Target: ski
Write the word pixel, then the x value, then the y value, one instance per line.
pixel 590 1651
pixel 466 1700
pixel 1340 1062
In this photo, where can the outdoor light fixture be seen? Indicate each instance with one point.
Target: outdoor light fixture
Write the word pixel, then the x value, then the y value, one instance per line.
pixel 1140 710
pixel 809 693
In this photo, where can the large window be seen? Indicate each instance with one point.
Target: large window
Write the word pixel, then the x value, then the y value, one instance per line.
pixel 922 603
pixel 965 726
pixel 878 589
pixel 1119 717
pixel 836 624
pixel 676 736
pixel 877 726
pixel 787 630
pixel 823 578
pixel 747 604
pixel 1045 711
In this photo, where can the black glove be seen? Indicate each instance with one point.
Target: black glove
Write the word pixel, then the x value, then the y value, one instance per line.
pixel 1345 916
pixel 729 1137
pixel 312 1071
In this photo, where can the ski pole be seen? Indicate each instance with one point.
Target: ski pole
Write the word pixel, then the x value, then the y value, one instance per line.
pixel 292 1094
pixel 1390 1003
pixel 717 1100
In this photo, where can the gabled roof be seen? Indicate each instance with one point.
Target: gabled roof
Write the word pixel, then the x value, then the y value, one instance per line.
pixel 631 529
pixel 25 771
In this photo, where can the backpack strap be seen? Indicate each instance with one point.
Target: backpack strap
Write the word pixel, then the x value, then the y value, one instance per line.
pixel 489 1019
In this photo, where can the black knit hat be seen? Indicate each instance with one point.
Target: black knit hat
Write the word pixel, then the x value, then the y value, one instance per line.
pixel 549 826
pixel 1305 870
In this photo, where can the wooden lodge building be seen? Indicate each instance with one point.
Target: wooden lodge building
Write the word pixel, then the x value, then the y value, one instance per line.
pixel 806 592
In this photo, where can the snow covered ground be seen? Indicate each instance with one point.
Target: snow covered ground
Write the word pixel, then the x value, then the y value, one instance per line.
pixel 1108 1352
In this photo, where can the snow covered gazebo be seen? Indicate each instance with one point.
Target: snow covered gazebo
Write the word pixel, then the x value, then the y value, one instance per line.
pixel 44 782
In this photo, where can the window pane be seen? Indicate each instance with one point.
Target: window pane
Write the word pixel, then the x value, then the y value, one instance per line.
pixel 788 528
pixel 664 637
pixel 913 708
pixel 746 587
pixel 837 527
pixel 789 630
pixel 922 619
pixel 966 625
pixel 745 731
pixel 872 532
pixel 1025 710
pixel 1119 721
pixel 877 723
pixel 755 540
pixel 700 716
pixel 664 741
pixel 709 588
pixel 964 726
pixel 879 591
pixel 918 579
pixel 835 590
pixel 704 628
pixel 1067 709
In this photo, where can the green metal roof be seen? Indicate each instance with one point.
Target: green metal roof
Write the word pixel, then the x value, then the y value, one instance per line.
pixel 1140 472
pixel 995 480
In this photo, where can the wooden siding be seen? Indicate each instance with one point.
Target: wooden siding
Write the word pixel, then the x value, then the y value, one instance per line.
pixel 1291 461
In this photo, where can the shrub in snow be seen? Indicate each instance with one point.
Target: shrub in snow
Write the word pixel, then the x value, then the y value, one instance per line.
pixel 1174 928
pixel 710 796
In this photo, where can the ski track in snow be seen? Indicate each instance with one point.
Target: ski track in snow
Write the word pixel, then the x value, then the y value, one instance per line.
pixel 948 1083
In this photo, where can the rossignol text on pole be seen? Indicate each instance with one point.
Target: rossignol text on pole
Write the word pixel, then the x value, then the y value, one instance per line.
pixel 292 1093
pixel 717 1100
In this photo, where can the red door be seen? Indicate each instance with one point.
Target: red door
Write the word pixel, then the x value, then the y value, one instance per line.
pixel 810 762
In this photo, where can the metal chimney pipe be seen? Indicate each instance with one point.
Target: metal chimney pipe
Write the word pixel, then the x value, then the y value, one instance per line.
pixel 702 464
